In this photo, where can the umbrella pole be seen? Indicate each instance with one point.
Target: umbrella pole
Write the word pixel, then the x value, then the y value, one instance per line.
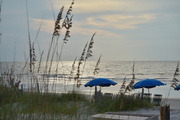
pixel 148 90
pixel 142 94
pixel 95 96
pixel 95 90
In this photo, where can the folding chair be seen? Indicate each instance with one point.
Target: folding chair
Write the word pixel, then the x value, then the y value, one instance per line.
pixel 157 99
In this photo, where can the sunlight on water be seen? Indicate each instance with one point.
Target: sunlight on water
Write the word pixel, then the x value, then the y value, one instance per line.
pixel 61 81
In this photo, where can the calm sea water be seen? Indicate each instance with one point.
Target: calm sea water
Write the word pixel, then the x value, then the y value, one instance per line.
pixel 114 70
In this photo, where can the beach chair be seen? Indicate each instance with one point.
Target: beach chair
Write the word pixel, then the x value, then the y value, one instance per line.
pixel 147 97
pixel 157 99
pixel 109 95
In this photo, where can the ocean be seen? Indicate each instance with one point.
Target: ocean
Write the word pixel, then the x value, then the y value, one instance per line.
pixel 59 80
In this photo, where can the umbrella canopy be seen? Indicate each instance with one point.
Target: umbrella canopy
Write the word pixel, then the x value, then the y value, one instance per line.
pixel 103 82
pixel 148 83
pixel 178 87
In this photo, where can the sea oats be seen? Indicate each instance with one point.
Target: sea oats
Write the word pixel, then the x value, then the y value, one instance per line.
pixel 72 69
pixel 78 81
pixel 175 80
pixel 67 23
pixel 123 86
pixel 39 66
pixel 96 69
pixel 89 50
pixel 57 26
pixel 130 85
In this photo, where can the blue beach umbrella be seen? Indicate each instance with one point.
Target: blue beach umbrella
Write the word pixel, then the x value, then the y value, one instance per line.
pixel 103 82
pixel 178 87
pixel 147 83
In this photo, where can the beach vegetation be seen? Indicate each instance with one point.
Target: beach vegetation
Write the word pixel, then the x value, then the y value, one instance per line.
pixel 74 104
pixel 15 104
pixel 116 103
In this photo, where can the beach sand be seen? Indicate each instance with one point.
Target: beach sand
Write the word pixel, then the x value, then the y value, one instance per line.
pixel 174 103
pixel 174 112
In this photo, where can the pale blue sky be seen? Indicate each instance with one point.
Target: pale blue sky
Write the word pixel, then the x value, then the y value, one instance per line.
pixel 126 30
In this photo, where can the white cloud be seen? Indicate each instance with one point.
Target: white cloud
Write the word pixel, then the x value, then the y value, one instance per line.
pixel 90 6
pixel 47 25
pixel 99 6
pixel 86 31
pixel 120 21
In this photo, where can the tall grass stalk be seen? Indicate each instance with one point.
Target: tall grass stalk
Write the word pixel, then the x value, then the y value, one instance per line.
pixel 84 56
pixel 175 81
pixel 56 33
pixel 51 51
pixel 0 18
pixel 96 69
pixel 124 89
pixel 0 8
pixel 36 40
pixel 32 55
pixel 39 66
pixel 72 69
pixel 26 63
pixel 52 9
pixel 67 24
pixel 88 52
pixel 78 73
pixel 0 38
pixel 129 87
pixel 29 37
pixel 123 86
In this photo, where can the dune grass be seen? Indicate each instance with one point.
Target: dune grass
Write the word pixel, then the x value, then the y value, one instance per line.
pixel 14 103
pixel 63 103
pixel 121 102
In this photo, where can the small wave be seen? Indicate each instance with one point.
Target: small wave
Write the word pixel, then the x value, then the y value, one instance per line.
pixel 48 76
pixel 160 78
pixel 88 77
pixel 140 74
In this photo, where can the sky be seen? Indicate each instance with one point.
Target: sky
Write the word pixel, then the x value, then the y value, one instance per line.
pixel 126 30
